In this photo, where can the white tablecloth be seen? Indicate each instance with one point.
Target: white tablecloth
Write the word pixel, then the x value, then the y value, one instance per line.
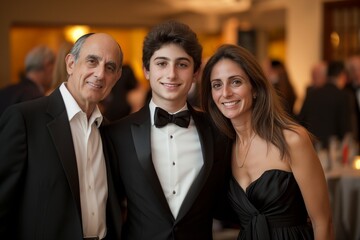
pixel 344 189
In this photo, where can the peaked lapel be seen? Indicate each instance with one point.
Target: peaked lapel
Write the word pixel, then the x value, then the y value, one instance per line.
pixel 140 130
pixel 206 141
pixel 60 132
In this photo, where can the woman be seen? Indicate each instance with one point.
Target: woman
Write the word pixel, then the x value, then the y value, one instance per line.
pixel 278 182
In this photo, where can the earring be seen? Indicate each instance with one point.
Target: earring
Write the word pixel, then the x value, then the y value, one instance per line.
pixel 254 97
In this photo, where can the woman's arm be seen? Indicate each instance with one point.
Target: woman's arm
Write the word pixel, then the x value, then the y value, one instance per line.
pixel 310 177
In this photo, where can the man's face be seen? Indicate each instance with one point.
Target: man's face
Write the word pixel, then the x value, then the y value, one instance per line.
pixel 95 72
pixel 171 74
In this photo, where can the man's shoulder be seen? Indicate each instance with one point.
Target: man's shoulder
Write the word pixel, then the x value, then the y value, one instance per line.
pixel 138 117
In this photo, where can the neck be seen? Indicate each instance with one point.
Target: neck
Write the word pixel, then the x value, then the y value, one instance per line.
pixel 170 106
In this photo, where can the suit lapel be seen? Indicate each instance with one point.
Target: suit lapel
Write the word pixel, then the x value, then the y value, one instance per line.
pixel 142 141
pixel 60 132
pixel 206 141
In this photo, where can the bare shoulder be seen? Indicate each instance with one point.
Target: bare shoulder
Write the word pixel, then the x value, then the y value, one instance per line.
pixel 298 137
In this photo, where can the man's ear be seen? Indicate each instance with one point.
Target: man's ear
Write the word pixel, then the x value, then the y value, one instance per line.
pixel 119 73
pixel 70 62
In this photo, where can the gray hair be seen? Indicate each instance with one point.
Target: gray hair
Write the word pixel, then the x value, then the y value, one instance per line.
pixel 38 57
pixel 75 50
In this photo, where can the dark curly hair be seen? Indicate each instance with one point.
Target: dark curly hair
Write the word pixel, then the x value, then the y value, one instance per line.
pixel 172 32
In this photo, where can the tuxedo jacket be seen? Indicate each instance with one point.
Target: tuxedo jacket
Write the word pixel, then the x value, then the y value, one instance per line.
pixel 39 183
pixel 148 213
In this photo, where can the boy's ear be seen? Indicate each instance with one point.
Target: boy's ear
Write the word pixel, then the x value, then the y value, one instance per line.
pixel 196 76
pixel 146 73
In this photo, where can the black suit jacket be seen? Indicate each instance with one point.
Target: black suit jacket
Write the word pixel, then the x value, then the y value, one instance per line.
pixel 148 213
pixel 326 112
pixel 39 185
pixel 23 91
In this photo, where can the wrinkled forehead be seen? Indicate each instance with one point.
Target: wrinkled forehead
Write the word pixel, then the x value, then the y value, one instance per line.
pixel 102 46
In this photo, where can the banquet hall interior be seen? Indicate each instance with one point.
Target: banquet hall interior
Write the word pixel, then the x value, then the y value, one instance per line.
pixel 298 33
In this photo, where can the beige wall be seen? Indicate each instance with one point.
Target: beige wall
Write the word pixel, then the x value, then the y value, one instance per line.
pixel 303 42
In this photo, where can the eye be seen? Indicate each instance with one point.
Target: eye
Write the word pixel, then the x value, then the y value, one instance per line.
pixel 183 64
pixel 111 68
pixel 236 82
pixel 161 64
pixel 216 85
pixel 91 61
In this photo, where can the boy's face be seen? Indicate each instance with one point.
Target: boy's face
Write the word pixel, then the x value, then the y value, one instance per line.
pixel 171 74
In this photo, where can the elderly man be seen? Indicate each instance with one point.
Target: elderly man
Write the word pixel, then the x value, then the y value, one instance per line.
pixel 54 182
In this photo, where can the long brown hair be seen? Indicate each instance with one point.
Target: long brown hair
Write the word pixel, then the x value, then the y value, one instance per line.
pixel 269 119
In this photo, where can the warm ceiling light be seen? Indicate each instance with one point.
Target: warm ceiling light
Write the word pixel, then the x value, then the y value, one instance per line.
pixel 72 33
pixel 211 6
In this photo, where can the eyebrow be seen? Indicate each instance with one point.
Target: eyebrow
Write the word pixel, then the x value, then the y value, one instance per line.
pixel 177 59
pixel 231 78
pixel 92 56
pixel 110 63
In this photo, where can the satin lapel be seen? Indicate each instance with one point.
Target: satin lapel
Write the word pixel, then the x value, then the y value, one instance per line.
pixel 206 141
pixel 142 141
pixel 60 132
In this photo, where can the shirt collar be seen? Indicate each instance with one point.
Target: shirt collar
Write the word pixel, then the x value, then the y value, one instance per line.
pixel 73 108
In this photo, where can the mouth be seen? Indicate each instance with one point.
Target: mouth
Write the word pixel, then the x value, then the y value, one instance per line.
pixel 230 104
pixel 171 85
pixel 95 85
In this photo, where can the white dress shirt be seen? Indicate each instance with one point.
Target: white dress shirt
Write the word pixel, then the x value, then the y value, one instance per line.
pixel 91 165
pixel 177 158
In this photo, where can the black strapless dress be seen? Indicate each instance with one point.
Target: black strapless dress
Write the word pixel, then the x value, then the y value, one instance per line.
pixel 271 208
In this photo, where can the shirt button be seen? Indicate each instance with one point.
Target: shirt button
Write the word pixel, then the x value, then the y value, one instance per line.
pixel 174 192
pixel 171 136
pixel 173 163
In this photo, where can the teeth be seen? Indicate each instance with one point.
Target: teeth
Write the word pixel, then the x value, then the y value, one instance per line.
pixel 228 104
pixel 94 85
pixel 171 84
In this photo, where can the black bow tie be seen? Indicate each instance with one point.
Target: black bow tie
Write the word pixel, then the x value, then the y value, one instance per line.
pixel 162 117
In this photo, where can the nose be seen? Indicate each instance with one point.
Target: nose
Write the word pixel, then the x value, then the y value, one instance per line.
pixel 226 91
pixel 171 74
pixel 99 72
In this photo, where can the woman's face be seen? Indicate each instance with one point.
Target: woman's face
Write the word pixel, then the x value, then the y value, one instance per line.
pixel 231 89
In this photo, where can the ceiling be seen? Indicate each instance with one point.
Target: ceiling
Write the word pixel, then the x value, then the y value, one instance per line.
pixel 206 15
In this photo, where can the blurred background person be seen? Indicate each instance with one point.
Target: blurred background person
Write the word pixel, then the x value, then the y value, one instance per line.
pixel 318 75
pixel 279 78
pixel 60 74
pixel 353 86
pixel 117 104
pixel 326 110
pixel 36 80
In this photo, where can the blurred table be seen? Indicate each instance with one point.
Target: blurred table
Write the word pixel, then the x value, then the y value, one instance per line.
pixel 344 189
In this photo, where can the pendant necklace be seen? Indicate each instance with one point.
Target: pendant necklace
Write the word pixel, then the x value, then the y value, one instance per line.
pixel 246 151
